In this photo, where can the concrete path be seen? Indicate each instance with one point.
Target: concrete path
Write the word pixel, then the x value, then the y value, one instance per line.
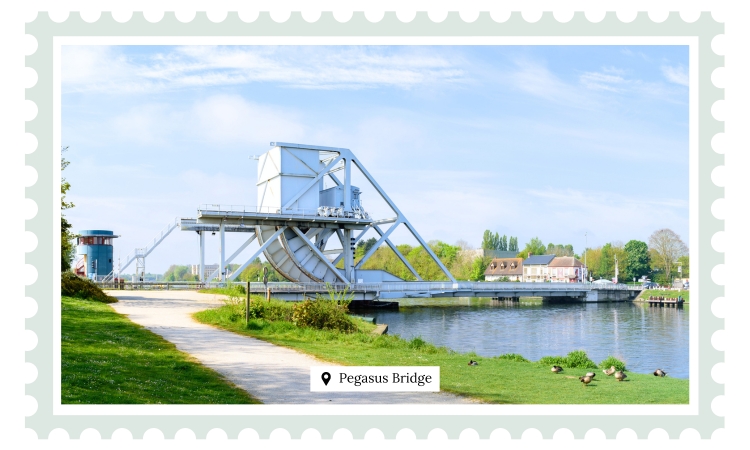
pixel 271 373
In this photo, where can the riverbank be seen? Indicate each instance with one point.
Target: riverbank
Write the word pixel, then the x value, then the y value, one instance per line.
pixel 644 295
pixel 503 379
pixel 107 359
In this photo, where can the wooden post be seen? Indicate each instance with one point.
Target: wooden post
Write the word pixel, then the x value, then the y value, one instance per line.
pixel 268 294
pixel 247 303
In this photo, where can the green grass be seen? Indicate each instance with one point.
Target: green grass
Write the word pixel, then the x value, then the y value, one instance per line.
pixel 503 379
pixel 107 359
pixel 665 293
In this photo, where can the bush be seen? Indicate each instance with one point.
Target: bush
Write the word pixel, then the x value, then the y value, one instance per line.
pixel 74 286
pixel 513 357
pixel 417 343
pixel 575 359
pixel 612 361
pixel 579 359
pixel 323 315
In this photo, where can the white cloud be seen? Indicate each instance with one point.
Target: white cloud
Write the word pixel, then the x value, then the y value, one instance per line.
pixel 220 119
pixel 109 69
pixel 677 75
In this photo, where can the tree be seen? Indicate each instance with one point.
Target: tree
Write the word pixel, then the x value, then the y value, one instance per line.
pixel 684 261
pixel 667 247
pixel 490 241
pixel 637 258
pixel 513 244
pixel 503 243
pixel 607 262
pixel 534 247
pixel 560 250
pixel 67 252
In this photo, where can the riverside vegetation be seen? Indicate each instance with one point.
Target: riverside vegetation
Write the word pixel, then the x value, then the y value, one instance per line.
pixel 508 378
pixel 107 359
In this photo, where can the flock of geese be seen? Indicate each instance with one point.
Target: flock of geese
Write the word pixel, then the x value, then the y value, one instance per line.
pixel 586 379
pixel 619 374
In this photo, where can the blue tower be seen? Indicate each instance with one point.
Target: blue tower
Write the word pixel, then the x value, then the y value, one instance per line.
pixel 96 252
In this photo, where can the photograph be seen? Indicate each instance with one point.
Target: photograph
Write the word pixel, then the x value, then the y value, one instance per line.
pixel 374 224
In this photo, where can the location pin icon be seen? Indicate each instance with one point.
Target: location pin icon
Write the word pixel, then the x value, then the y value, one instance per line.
pixel 326 377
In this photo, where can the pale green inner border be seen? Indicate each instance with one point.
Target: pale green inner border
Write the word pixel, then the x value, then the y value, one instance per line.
pixel 44 30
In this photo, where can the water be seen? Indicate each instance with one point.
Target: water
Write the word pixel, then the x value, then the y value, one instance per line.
pixel 646 338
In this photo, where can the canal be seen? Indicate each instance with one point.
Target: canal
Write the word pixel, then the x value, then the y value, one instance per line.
pixel 645 338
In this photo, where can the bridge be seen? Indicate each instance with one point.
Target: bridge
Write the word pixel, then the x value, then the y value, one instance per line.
pixel 582 292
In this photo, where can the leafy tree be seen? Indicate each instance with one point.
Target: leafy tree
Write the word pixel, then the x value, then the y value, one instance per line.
pixel 478 266
pixel 560 250
pixel 666 248
pixel 637 258
pixel 490 241
pixel 67 250
pixel 684 261
pixel 513 244
pixel 503 243
pixel 534 247
pixel 364 246
pixel 607 262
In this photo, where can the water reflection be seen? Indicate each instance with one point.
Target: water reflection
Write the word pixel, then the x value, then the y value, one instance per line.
pixel 644 337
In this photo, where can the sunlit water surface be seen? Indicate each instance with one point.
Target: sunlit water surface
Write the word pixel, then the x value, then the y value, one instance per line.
pixel 645 338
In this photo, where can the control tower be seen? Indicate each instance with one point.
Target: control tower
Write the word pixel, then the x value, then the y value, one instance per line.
pixel 96 253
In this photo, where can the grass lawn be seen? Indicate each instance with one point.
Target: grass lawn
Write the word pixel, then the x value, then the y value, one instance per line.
pixel 107 359
pixel 494 380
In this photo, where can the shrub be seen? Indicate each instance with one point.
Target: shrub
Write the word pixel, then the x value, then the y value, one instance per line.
pixel 323 315
pixel 417 343
pixel 612 361
pixel 74 286
pixel 513 357
pixel 575 359
pixel 579 359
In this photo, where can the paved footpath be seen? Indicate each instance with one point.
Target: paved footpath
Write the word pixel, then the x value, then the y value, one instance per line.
pixel 271 373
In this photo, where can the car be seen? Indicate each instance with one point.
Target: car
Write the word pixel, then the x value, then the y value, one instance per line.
pixel 602 281
pixel 650 285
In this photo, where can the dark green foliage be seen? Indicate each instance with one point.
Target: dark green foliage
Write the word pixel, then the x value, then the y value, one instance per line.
pixel 67 250
pixel 417 343
pixel 323 315
pixel 490 241
pixel 74 286
pixel 512 357
pixel 364 246
pixel 612 361
pixel 513 244
pixel 575 359
pixel 637 259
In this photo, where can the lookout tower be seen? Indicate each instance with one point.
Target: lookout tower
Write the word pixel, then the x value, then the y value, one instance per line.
pixel 95 251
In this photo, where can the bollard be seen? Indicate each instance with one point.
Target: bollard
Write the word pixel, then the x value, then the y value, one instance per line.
pixel 268 294
pixel 247 303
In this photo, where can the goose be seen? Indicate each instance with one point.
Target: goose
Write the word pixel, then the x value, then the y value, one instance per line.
pixel 609 372
pixel 585 380
pixel 473 363
pixel 590 374
pixel 620 376
pixel 557 369
pixel 659 373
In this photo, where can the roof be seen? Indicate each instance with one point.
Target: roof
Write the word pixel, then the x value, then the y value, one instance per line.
pixel 505 267
pixel 538 259
pixel 106 233
pixel 565 261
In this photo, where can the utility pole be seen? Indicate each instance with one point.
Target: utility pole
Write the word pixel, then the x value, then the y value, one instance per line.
pixel 585 253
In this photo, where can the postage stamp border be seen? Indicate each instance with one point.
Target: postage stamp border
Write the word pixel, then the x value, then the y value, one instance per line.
pixel 45 31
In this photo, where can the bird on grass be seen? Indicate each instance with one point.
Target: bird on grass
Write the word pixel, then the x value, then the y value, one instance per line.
pixel 590 375
pixel 609 372
pixel 473 363
pixel 557 369
pixel 660 373
pixel 585 380
pixel 620 376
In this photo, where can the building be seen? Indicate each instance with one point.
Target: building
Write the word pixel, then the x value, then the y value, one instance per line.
pixel 208 270
pixel 536 268
pixel 565 269
pixel 95 250
pixel 500 268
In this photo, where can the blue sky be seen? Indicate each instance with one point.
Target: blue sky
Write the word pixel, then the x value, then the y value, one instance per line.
pixel 547 141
